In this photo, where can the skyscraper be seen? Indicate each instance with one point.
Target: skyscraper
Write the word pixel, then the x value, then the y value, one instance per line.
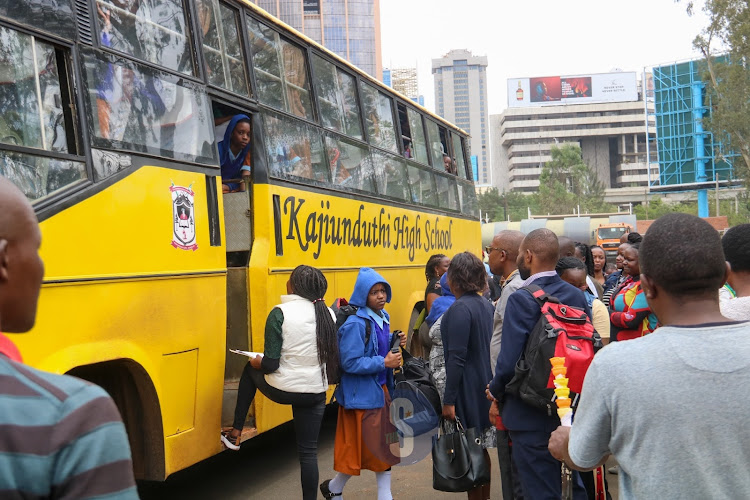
pixel 461 97
pixel 350 28
pixel 404 80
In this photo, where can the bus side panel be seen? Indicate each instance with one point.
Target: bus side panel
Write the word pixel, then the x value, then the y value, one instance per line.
pixel 338 236
pixel 117 288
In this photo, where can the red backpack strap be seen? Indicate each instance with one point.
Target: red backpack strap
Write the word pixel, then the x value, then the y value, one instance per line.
pixel 539 295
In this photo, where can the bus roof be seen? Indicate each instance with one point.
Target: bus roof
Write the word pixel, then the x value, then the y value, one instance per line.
pixel 370 79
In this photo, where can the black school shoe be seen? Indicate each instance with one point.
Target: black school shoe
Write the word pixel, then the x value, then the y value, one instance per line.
pixel 327 493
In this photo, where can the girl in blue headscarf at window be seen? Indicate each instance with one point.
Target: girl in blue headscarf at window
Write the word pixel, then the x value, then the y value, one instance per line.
pixel 234 153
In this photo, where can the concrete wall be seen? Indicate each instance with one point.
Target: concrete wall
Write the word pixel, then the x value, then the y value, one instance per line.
pixel 596 154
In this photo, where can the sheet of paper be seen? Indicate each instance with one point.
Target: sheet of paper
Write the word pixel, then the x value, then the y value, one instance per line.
pixel 246 353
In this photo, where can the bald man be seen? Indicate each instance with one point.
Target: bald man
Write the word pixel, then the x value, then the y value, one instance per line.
pixel 529 427
pixel 502 255
pixel 61 437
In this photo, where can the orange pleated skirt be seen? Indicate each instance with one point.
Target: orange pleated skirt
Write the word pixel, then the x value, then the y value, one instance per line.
pixel 365 439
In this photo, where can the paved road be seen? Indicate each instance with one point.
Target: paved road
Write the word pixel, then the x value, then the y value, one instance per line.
pixel 266 467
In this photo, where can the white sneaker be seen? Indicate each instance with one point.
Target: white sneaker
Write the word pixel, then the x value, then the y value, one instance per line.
pixel 230 442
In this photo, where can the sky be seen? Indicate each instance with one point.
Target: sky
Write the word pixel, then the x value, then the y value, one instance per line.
pixel 540 38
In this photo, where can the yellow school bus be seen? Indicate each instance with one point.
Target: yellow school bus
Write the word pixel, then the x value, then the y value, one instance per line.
pixel 110 116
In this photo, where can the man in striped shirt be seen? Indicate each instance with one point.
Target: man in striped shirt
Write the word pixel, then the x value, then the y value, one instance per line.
pixel 60 437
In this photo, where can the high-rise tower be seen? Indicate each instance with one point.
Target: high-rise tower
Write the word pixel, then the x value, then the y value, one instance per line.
pixel 350 28
pixel 461 97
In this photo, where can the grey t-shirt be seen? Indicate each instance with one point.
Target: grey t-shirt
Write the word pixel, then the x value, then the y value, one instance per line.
pixel 673 409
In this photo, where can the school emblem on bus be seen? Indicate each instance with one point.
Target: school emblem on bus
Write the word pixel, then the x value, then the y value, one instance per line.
pixel 183 234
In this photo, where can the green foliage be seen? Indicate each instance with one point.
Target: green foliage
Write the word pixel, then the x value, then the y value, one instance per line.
pixel 729 31
pixel 737 212
pixel 566 183
pixel 656 208
pixel 515 205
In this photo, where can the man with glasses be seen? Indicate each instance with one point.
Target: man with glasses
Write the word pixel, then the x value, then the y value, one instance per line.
pixel 502 255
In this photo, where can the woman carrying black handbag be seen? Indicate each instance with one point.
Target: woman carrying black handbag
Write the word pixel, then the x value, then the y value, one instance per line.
pixel 466 331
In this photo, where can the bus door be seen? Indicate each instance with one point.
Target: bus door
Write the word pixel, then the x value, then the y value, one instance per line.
pixel 238 228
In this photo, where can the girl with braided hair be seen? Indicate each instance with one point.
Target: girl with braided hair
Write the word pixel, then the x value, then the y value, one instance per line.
pixel 436 266
pixel 300 356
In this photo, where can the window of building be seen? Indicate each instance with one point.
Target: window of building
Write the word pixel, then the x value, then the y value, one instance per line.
pixel 154 31
pixel 378 108
pixel 36 116
pixel 337 98
pixel 280 73
pixel 222 46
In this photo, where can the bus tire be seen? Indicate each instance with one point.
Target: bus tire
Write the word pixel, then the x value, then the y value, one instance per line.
pixel 135 397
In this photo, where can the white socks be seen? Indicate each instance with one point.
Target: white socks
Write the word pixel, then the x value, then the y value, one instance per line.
pixel 383 479
pixel 384 485
pixel 337 483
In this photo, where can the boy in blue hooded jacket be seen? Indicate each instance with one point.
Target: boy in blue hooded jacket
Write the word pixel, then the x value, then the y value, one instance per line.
pixel 363 393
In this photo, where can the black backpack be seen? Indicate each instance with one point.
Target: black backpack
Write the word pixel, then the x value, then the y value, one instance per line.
pixel 562 331
pixel 343 309
pixel 414 381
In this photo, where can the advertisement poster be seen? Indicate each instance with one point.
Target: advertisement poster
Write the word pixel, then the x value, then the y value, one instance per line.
pixel 575 89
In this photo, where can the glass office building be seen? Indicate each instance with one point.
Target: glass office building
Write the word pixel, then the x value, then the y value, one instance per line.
pixel 350 28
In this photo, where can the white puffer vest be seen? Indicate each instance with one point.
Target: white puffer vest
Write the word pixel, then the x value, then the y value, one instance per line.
pixel 299 369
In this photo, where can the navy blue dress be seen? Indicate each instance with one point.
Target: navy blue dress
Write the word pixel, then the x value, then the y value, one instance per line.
pixel 466 329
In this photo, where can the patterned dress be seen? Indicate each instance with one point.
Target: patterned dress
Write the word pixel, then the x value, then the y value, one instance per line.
pixel 437 359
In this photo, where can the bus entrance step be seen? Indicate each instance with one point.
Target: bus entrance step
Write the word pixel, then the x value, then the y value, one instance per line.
pixel 247 432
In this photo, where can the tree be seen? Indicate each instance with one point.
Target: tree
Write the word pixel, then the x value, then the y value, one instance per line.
pixel 491 203
pixel 567 184
pixel 500 206
pixel 729 76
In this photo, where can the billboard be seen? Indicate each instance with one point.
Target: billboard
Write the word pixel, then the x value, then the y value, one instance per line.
pixel 576 89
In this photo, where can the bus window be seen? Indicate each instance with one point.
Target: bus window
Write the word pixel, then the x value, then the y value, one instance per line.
pixel 422 183
pixel 234 146
pixel 337 98
pixel 379 116
pixel 437 146
pixel 390 174
pixel 446 191
pixel 469 204
pixel 53 16
pixel 34 111
pixel 294 149
pixel 280 72
pixel 222 46
pixel 459 157
pixel 418 143
pixel 147 110
pixel 351 166
pixel 153 31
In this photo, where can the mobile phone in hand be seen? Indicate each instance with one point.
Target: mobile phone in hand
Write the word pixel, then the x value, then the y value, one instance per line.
pixel 395 341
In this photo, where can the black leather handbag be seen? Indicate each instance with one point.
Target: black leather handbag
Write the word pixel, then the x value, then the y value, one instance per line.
pixel 458 459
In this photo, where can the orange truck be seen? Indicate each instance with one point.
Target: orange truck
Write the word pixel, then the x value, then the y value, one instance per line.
pixel 608 237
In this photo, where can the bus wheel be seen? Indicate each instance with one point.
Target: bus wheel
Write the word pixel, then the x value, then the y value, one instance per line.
pixel 135 396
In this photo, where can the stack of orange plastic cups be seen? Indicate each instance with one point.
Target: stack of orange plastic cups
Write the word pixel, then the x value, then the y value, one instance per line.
pixel 562 391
